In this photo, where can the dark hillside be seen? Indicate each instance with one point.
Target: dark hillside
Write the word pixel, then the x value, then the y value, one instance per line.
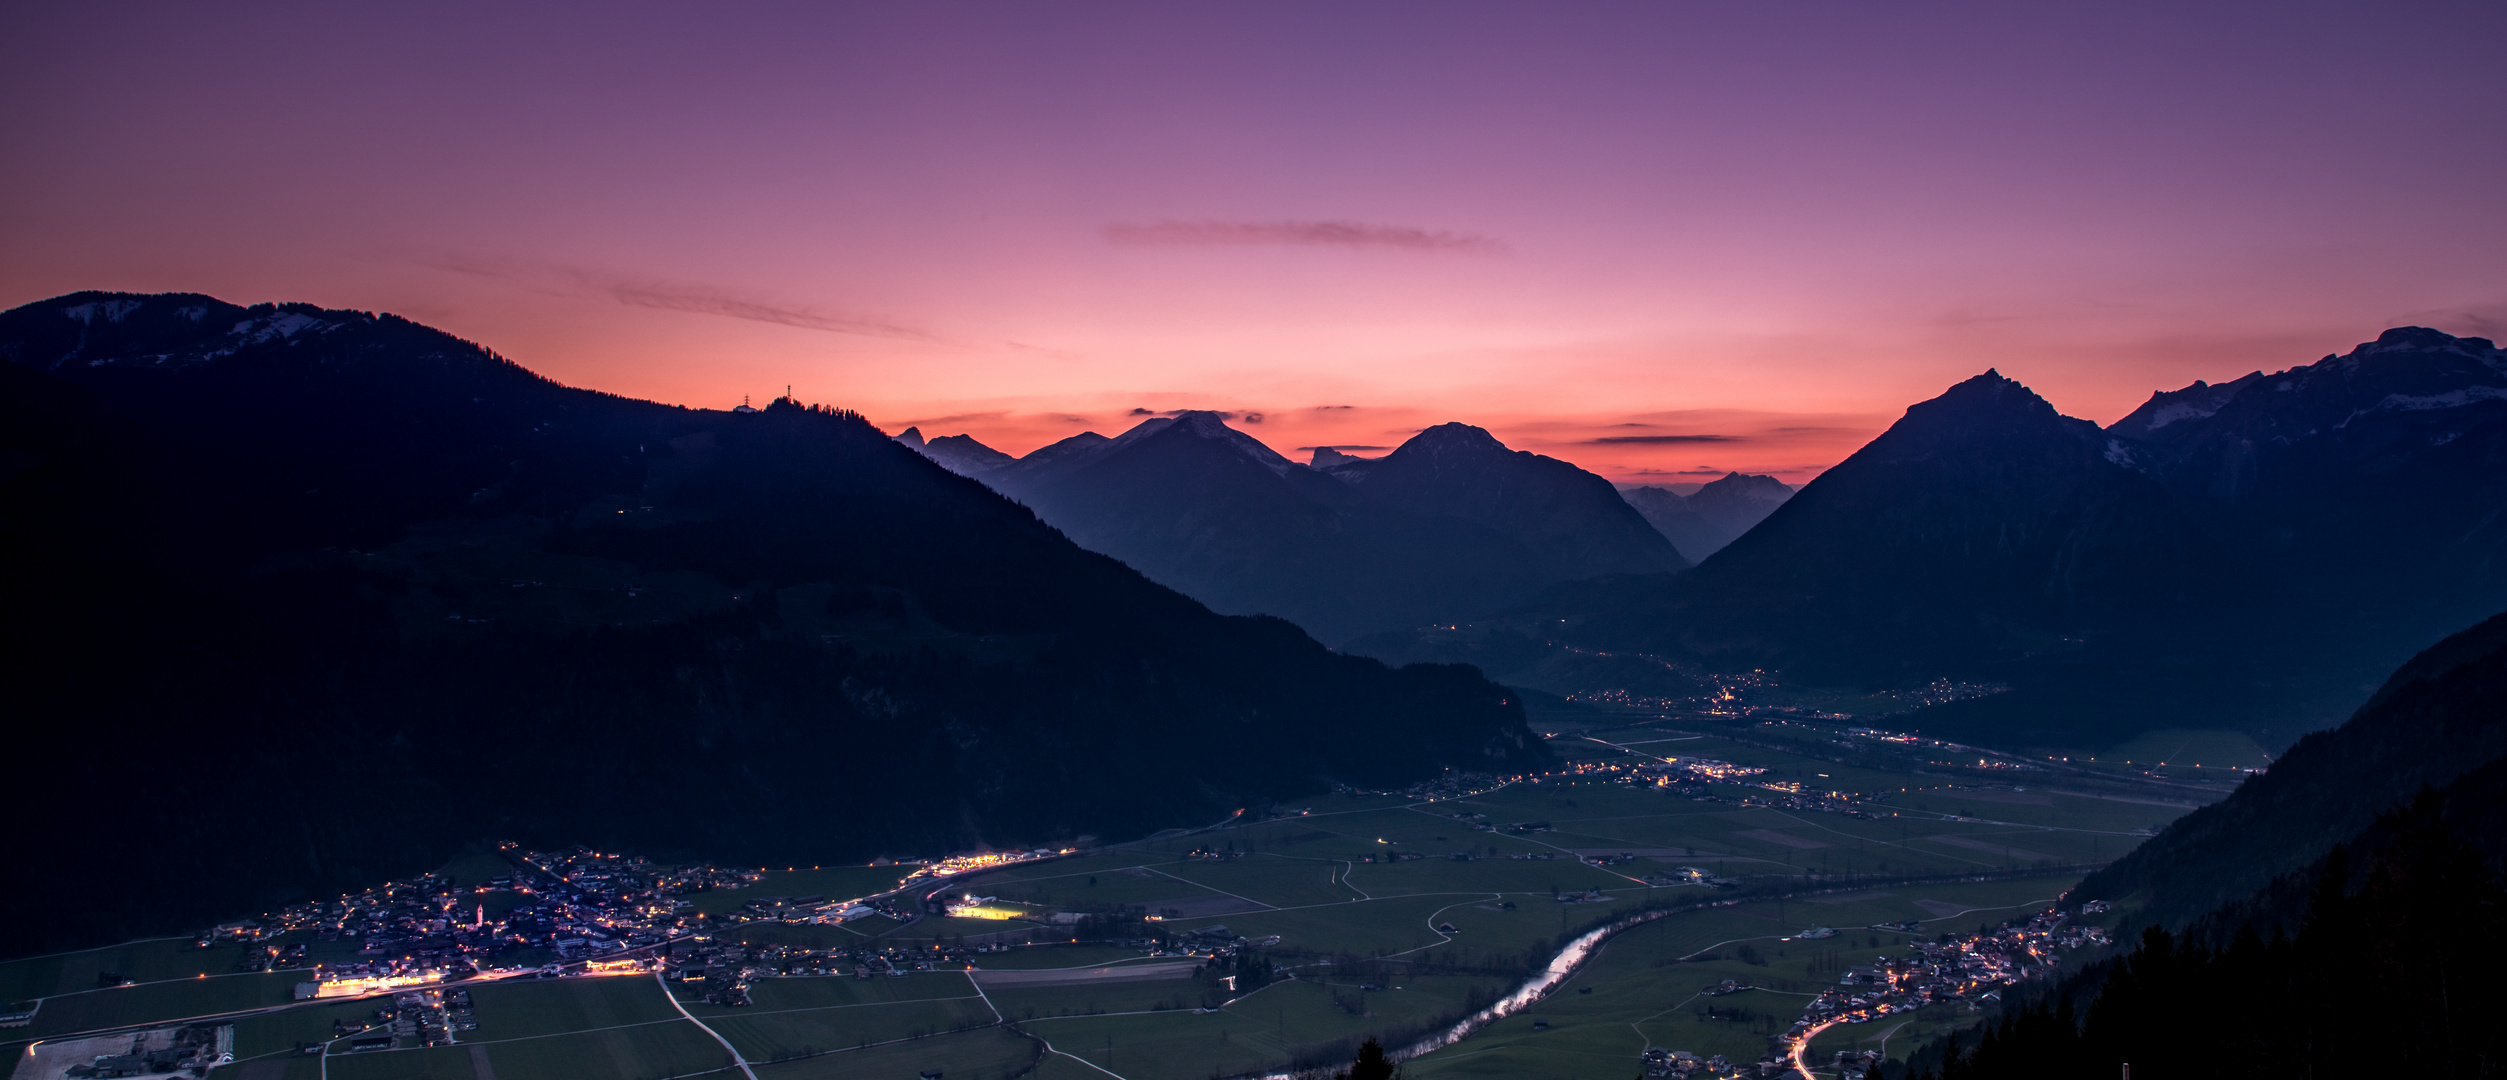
pixel 2442 715
pixel 2345 907
pixel 301 598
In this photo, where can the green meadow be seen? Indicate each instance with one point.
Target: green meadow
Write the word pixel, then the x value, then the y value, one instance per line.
pixel 1394 917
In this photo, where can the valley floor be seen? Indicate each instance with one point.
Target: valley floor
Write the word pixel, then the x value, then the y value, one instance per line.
pixel 1395 915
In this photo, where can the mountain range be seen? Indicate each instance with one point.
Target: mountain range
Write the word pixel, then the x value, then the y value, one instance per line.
pixel 301 598
pixel 1450 525
pixel 2251 554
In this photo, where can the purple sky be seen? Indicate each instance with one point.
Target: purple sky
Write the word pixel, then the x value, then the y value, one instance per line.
pixel 1772 224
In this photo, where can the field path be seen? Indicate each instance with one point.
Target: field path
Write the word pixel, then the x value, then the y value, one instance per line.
pixel 737 1061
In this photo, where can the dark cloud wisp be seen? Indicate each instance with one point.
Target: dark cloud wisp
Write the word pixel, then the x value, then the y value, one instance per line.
pixel 702 301
pixel 666 296
pixel 1612 440
pixel 1343 234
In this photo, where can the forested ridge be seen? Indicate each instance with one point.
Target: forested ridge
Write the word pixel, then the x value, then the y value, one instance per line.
pixel 306 598
pixel 2340 914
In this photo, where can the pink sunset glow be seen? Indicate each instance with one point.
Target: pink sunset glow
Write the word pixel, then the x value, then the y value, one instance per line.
pixel 1661 241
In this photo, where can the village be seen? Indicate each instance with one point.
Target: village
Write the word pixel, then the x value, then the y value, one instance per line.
pixel 1966 970
pixel 575 912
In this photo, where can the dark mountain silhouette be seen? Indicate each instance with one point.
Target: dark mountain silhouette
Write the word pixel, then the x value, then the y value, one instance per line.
pixel 2251 554
pixel 1703 521
pixel 1981 527
pixel 2440 717
pixel 300 598
pixel 2367 493
pixel 2364 867
pixel 1574 522
pixel 1449 525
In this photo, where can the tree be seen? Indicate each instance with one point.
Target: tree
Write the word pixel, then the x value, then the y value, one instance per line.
pixel 1372 1064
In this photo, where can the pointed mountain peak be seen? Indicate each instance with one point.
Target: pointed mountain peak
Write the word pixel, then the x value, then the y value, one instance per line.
pixel 1992 391
pixel 912 436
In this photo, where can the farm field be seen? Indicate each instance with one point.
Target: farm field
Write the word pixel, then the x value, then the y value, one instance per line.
pixel 1367 915
pixel 140 961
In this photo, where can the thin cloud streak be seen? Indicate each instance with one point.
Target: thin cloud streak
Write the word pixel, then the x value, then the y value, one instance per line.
pixel 702 301
pixel 1611 439
pixel 1346 234
pixel 693 299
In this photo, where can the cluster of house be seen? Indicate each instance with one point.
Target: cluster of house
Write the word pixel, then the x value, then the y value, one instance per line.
pixel 1689 875
pixel 1696 777
pixel 421 1017
pixel 1719 697
pixel 722 971
pixel 1661 1062
pixel 196 1048
pixel 1972 969
pixel 561 907
pixel 1452 785
pixel 284 957
pixel 818 909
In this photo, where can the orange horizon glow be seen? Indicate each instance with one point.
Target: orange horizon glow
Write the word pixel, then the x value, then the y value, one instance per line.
pixel 1752 235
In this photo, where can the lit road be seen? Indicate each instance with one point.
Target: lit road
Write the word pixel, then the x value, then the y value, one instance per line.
pixel 1803 1045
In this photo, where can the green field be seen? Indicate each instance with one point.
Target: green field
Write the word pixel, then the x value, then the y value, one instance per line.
pixel 140 961
pixel 1369 945
pixel 983 1054
pixel 2182 749
pixel 157 1002
pixel 530 1007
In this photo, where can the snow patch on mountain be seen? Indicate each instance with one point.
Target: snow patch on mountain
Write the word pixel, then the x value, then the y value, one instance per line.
pixel 2169 414
pixel 2452 399
pixel 1210 425
pixel 285 325
pixel 112 310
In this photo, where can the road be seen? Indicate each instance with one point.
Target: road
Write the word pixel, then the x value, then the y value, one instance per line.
pixel 1802 1046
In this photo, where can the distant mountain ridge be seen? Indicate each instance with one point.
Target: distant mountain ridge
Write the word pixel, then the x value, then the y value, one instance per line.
pixel 1450 524
pixel 959 454
pixel 301 598
pixel 1703 521
pixel 2255 554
